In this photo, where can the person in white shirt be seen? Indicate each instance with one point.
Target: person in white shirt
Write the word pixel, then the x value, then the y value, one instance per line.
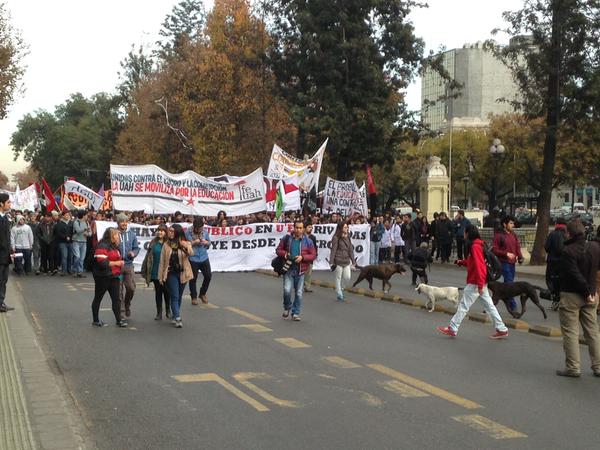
pixel 385 249
pixel 397 240
pixel 21 242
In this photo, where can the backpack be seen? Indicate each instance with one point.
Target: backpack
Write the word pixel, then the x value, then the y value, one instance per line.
pixel 494 267
pixel 280 264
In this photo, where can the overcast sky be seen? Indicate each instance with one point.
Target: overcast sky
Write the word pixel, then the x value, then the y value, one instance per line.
pixel 76 45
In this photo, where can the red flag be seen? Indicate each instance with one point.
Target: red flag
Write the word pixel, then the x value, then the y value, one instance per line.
pixel 370 183
pixel 48 196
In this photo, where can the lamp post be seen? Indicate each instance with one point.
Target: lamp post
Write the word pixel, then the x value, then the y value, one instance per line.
pixel 496 150
pixel 466 181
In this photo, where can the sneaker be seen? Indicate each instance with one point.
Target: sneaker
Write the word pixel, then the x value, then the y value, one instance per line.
pixel 173 322
pixel 308 290
pixel 286 313
pixel 5 308
pixel 340 298
pixel 158 316
pixel 178 324
pixel 447 331
pixel 194 301
pixel 122 324
pixel 566 373
pixel 295 318
pixel 499 335
pixel 99 324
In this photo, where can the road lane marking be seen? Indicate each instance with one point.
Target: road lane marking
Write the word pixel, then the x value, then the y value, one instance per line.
pixel 105 309
pixel 341 362
pixel 426 387
pixel 257 328
pixel 404 390
pixel 247 315
pixel 208 306
pixel 292 343
pixel 200 377
pixel 244 377
pixel 489 427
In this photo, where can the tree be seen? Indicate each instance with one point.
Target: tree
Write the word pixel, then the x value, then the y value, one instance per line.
pixel 556 67
pixel 341 65
pixel 25 177
pixel 136 68
pixel 3 180
pixel 12 51
pixel 76 141
pixel 181 27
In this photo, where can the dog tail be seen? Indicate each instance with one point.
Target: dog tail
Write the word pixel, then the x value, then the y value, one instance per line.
pixel 461 289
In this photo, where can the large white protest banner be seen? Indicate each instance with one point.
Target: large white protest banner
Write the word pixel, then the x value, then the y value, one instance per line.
pixel 283 165
pixel 156 191
pixel 92 198
pixel 26 199
pixel 251 247
pixel 343 197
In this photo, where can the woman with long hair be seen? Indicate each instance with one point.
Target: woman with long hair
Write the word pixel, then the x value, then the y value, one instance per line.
pixel 107 271
pixel 150 271
pixel 175 270
pixel 341 258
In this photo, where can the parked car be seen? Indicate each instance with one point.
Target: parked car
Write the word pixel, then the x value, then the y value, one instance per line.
pixel 525 218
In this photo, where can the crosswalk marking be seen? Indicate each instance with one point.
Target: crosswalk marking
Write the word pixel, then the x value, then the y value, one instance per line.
pixel 404 390
pixel 292 343
pixel 341 362
pixel 489 427
pixel 245 314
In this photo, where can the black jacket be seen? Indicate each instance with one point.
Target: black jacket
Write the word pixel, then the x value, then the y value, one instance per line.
pixel 554 245
pixel 5 249
pixel 579 263
pixel 63 232
pixel 419 258
pixel 443 230
pixel 408 231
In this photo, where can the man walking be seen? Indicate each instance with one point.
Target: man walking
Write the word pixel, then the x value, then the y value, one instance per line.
pixel 129 249
pixel 460 225
pixel 63 233
pixel 45 231
pixel 508 250
pixel 476 288
pixel 308 274
pixel 199 261
pixel 81 231
pixel 385 247
pixel 5 249
pixel 443 229
pixel 397 241
pixel 300 251
pixel 409 236
pixel 578 266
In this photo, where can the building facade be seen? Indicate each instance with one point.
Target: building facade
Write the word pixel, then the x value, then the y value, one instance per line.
pixel 485 81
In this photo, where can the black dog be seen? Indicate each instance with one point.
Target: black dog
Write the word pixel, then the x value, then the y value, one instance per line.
pixel 380 271
pixel 505 291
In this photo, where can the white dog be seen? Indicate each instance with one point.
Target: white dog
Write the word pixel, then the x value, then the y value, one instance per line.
pixel 438 293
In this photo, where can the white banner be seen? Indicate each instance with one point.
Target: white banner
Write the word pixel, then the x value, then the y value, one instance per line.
pixel 251 247
pixel 26 199
pixel 92 197
pixel 284 165
pixel 156 191
pixel 343 197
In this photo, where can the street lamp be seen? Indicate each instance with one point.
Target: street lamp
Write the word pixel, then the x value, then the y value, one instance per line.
pixel 466 181
pixel 496 150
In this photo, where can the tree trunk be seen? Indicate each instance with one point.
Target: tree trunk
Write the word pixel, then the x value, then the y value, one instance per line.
pixel 552 123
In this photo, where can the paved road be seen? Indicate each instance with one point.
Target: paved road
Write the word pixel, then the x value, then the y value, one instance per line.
pixel 364 374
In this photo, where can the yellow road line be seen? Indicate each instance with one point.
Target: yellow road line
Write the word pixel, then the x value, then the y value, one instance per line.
pixel 402 389
pixel 208 306
pixel 224 383
pixel 292 343
pixel 426 387
pixel 246 314
pixel 243 378
pixel 257 328
pixel 489 427
pixel 341 362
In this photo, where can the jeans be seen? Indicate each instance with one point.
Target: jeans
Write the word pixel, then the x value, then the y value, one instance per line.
pixel 470 295
pixel 374 252
pixel 66 254
pixel 385 254
pixel 398 250
pixel 203 267
pixel 342 276
pixel 79 249
pixel 175 288
pixel 508 276
pixel 292 280
pixel 23 265
pixel 160 292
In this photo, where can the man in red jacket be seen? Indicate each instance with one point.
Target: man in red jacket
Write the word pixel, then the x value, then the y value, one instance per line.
pixel 300 251
pixel 476 288
pixel 508 250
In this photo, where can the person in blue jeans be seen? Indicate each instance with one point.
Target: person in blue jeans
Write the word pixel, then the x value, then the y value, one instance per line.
pixel 63 234
pixel 300 251
pixel 200 240
pixel 508 250
pixel 175 269
pixel 81 231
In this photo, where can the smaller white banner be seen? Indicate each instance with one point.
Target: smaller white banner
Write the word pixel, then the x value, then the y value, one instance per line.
pixel 343 197
pixel 88 194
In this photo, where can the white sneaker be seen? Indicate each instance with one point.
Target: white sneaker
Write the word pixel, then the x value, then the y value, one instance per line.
pixel 178 324
pixel 295 318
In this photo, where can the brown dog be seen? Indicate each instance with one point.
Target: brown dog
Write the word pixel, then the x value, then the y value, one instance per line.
pixel 506 291
pixel 380 271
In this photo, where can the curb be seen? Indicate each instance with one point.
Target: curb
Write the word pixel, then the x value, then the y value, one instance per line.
pixel 515 324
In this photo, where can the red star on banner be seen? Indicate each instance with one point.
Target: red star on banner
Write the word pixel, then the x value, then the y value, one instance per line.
pixel 190 202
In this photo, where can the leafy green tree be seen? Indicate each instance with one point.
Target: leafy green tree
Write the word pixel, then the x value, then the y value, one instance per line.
pixel 136 68
pixel 556 67
pixel 76 140
pixel 341 65
pixel 12 51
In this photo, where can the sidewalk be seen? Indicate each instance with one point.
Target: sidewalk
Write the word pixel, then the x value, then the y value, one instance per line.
pixel 35 410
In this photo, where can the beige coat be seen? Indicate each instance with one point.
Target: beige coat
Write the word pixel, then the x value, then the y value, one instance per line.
pixel 184 251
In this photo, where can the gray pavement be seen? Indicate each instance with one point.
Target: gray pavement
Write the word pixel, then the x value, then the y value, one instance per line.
pixel 360 374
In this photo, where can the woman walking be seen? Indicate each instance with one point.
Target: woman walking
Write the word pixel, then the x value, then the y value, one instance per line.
pixel 341 258
pixel 150 272
pixel 107 271
pixel 175 269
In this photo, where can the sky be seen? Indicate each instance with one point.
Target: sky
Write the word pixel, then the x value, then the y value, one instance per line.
pixel 77 45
